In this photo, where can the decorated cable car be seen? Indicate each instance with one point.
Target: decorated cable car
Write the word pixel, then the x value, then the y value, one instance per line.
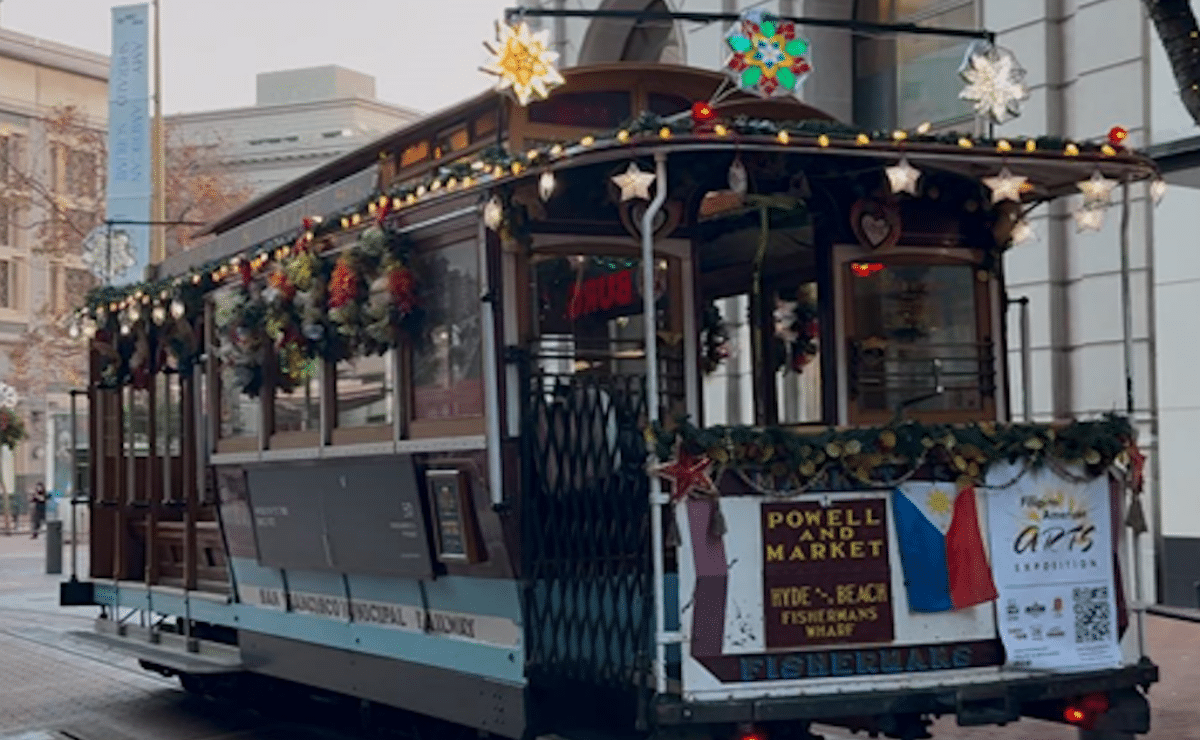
pixel 599 409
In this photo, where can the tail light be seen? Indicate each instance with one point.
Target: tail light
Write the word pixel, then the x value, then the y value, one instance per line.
pixel 1085 710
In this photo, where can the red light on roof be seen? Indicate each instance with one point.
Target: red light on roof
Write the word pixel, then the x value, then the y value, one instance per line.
pixel 1074 715
pixel 1117 135
pixel 702 112
pixel 865 269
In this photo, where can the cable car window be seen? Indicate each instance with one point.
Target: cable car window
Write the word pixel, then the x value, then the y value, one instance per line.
pixel 593 110
pixel 447 367
pixel 918 340
pixel 364 391
pixel 798 388
pixel 298 405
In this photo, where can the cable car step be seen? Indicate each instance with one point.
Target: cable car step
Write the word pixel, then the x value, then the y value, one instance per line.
pixel 176 652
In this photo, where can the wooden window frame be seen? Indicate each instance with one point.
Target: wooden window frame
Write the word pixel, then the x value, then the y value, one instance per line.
pixel 365 433
pixel 984 332
pixel 243 442
pixel 416 428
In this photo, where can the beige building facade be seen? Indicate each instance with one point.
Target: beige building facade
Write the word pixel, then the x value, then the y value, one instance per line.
pixel 51 188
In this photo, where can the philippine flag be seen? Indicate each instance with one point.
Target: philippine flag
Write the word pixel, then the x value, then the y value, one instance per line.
pixel 941 549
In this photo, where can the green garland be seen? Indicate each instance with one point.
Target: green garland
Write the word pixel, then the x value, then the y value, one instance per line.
pixel 315 304
pixel 785 460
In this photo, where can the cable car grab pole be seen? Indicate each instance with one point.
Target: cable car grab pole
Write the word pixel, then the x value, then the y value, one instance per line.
pixel 657 500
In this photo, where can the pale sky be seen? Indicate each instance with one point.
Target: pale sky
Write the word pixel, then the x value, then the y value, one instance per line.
pixel 424 55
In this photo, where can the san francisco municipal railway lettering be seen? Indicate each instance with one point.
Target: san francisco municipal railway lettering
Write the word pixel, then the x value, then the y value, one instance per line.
pixel 825 573
pixel 388 615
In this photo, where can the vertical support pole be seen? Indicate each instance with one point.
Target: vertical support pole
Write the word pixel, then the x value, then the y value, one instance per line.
pixel 1026 369
pixel 491 366
pixel 159 199
pixel 657 499
pixel 193 480
pixel 74 484
pixel 1127 337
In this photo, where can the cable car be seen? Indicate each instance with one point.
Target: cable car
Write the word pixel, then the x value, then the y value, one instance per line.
pixel 608 415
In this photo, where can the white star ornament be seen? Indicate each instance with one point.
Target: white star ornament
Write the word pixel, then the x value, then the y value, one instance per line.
pixel 1005 186
pixel 634 183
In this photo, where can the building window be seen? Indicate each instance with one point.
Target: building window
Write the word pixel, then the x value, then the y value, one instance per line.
pixel 82 173
pixel 904 80
pixel 10 159
pixel 69 287
pixel 446 362
pixel 6 284
pixel 7 231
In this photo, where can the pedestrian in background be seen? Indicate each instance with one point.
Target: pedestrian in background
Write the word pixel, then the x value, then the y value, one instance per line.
pixel 38 513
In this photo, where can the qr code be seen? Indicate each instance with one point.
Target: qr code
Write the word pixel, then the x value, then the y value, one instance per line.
pixel 1093 616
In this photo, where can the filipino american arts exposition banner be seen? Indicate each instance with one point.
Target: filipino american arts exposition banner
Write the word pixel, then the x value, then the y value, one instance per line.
pixel 128 189
pixel 1052 558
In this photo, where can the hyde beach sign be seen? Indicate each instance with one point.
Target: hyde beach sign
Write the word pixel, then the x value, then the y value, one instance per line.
pixel 1052 561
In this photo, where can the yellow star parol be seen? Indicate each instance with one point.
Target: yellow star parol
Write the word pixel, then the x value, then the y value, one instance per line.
pixel 523 62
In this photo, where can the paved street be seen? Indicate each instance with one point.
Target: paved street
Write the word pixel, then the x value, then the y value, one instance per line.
pixel 57 688
pixel 66 689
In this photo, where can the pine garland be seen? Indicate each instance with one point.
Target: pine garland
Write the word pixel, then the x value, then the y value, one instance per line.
pixel 783 460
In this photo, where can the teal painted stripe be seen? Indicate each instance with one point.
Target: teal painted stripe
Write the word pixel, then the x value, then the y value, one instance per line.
pixel 499 663
pixel 248 572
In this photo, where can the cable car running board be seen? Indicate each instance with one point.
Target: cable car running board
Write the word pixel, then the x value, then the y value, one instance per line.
pixel 170 651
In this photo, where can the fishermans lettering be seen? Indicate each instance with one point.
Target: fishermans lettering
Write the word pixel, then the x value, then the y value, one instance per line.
pixel 825 573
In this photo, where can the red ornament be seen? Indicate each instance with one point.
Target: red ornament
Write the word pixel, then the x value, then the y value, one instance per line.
pixel 385 207
pixel 1137 467
pixel 402 286
pixel 865 269
pixel 247 272
pixel 343 284
pixel 1117 135
pixel 702 112
pixel 686 473
pixel 278 280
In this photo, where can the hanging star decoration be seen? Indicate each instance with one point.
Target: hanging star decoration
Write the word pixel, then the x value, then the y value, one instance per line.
pixel 1005 186
pixel 1022 232
pixel 546 184
pixel 687 473
pixel 768 58
pixel 1158 189
pixel 634 183
pixel 1088 218
pixel 1097 190
pixel 523 62
pixel 903 177
pixel 995 82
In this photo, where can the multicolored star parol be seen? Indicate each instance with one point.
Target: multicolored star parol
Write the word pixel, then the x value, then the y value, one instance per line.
pixel 768 58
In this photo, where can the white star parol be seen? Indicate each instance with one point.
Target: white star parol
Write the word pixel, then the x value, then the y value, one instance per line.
pixel 546 185
pixel 493 214
pixel 634 183
pixel 1005 186
pixel 903 177
pixel 1097 190
pixel 108 253
pixel 1158 189
pixel 1088 218
pixel 1022 232
pixel 739 181
pixel 995 82
pixel 523 62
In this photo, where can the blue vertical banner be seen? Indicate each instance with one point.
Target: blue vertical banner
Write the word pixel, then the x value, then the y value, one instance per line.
pixel 129 175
